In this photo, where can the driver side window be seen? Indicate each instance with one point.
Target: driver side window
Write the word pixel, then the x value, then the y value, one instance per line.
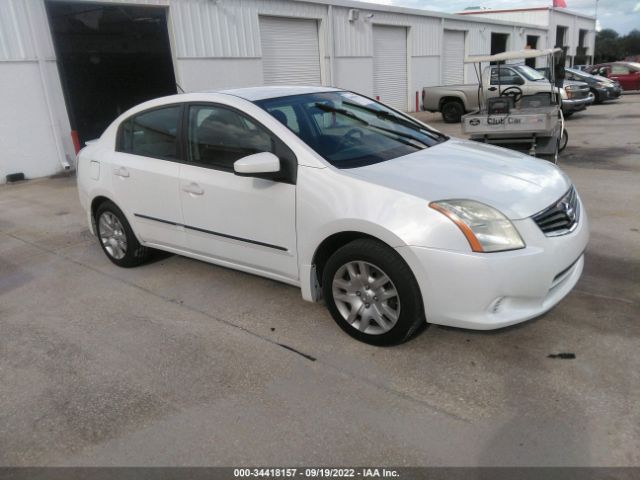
pixel 218 136
pixel 507 76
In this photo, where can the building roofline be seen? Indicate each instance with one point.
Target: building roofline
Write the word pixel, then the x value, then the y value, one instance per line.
pixel 525 9
pixel 418 12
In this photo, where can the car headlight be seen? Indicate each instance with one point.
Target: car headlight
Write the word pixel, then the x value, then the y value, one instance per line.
pixel 486 229
pixel 604 85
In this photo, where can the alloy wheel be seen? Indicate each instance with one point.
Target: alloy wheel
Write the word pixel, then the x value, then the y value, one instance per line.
pixel 112 235
pixel 366 297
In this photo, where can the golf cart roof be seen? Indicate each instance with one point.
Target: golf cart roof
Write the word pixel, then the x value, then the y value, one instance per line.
pixel 513 55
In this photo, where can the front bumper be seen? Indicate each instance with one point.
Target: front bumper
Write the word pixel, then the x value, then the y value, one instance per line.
pixel 487 291
pixel 614 92
pixel 576 104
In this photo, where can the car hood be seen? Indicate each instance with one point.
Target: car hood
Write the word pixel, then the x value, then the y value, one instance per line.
pixel 516 184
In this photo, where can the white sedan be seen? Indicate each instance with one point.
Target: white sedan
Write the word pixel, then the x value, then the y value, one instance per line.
pixel 389 221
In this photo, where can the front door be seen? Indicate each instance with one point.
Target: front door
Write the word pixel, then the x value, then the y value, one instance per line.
pixel 503 77
pixel 241 221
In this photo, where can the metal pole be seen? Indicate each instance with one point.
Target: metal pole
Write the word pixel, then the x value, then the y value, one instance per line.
pixel 595 35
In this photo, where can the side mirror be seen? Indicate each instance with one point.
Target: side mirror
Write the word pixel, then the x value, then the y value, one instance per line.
pixel 518 81
pixel 257 164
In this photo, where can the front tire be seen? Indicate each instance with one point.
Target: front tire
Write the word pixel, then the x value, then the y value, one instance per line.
pixel 116 237
pixel 372 294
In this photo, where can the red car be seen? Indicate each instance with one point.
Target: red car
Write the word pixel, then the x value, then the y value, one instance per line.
pixel 627 73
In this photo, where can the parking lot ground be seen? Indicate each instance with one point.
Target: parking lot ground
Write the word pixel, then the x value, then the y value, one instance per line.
pixel 179 362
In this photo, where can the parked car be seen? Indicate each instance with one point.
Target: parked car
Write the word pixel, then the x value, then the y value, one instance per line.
pixel 393 223
pixel 601 87
pixel 453 101
pixel 626 73
pixel 581 67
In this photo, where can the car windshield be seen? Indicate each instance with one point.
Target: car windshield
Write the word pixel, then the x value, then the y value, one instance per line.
pixel 577 73
pixel 349 130
pixel 530 73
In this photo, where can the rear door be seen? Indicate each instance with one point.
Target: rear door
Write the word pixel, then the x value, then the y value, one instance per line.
pixel 145 172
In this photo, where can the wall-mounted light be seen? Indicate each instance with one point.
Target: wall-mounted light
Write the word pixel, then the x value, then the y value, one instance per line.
pixel 354 14
pixel 369 16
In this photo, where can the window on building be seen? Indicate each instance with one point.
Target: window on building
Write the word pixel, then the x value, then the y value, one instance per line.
pixel 561 36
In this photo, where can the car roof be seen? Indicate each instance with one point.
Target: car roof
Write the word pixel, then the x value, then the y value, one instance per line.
pixel 261 93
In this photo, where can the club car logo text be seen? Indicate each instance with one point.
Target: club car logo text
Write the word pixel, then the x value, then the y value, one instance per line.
pixel 503 121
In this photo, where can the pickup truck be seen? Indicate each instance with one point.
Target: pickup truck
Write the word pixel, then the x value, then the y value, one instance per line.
pixel 453 101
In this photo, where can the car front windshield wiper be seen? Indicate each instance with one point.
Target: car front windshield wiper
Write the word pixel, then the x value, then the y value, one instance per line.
pixel 394 118
pixel 355 117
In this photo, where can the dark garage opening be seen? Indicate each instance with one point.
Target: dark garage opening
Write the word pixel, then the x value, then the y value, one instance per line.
pixel 110 58
pixel 532 42
pixel 498 43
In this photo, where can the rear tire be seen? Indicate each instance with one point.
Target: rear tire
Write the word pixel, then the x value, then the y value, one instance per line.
pixel 372 293
pixel 116 237
pixel 452 111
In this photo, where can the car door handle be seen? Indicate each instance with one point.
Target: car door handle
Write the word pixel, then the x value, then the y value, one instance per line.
pixel 193 188
pixel 492 89
pixel 121 172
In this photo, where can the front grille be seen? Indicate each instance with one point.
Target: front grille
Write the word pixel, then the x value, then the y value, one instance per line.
pixel 561 217
pixel 580 93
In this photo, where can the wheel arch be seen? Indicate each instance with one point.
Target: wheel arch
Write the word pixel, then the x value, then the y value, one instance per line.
pixel 311 269
pixel 452 98
pixel 99 199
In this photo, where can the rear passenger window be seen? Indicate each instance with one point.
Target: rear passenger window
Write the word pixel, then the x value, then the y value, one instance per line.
pixel 152 134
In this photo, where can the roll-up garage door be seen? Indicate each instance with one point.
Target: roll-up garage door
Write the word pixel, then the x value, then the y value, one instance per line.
pixel 453 61
pixel 290 51
pixel 390 65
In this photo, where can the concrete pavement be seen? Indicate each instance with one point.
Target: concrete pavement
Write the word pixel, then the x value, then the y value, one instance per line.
pixel 179 362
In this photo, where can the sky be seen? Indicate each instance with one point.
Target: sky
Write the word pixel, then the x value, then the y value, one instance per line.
pixel 620 15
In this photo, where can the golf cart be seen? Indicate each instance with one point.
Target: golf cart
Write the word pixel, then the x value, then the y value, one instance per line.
pixel 514 116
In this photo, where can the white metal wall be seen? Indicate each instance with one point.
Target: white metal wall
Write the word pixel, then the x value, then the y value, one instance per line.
pixel 216 44
pixel 538 16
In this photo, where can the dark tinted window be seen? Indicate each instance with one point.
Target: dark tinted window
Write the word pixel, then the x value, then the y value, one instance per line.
pixel 217 137
pixel 507 76
pixel 152 134
pixel 349 130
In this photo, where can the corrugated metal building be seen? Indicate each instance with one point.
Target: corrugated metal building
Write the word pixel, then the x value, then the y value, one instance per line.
pixel 572 31
pixel 68 67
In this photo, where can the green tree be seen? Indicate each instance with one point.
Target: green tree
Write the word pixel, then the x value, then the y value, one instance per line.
pixel 608 48
pixel 630 43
